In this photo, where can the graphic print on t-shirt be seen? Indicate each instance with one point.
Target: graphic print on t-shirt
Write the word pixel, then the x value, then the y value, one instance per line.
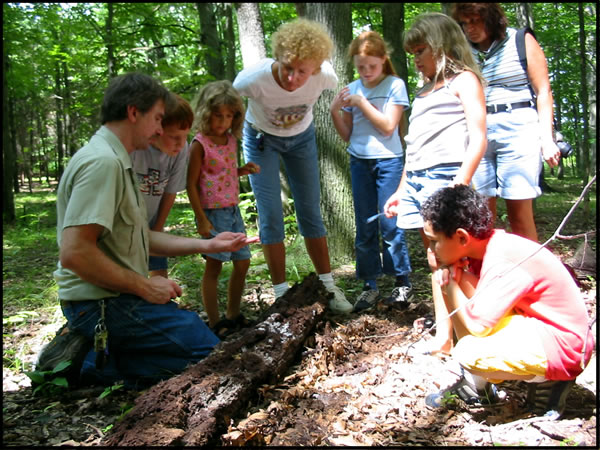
pixel 150 183
pixel 288 116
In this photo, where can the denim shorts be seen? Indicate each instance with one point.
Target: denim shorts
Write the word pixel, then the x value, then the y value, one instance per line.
pixel 511 165
pixel 418 187
pixel 300 159
pixel 157 263
pixel 227 219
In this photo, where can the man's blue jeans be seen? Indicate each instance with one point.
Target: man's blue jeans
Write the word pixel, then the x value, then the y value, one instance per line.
pixel 373 182
pixel 146 342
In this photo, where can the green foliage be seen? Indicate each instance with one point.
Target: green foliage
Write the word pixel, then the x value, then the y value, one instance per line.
pixel 109 390
pixel 449 399
pixel 50 383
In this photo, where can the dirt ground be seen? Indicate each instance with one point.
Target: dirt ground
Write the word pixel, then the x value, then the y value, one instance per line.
pixel 359 381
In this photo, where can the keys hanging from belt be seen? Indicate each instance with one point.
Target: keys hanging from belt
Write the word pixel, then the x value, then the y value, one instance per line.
pixel 101 339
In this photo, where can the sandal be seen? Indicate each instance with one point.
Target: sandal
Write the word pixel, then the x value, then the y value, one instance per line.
pixel 241 321
pixel 224 328
pixel 423 323
pixel 466 392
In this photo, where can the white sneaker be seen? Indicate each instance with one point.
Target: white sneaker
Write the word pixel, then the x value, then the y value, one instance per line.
pixel 338 304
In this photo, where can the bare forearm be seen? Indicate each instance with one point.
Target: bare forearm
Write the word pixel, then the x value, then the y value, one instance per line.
pixel 473 155
pixel 458 299
pixel 93 266
pixel 166 203
pixel 545 113
pixel 340 126
pixel 165 244
pixel 383 123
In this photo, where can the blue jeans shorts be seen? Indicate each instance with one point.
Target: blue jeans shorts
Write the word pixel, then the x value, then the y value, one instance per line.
pixel 418 187
pixel 300 159
pixel 227 219
pixel 146 342
pixel 511 165
pixel 157 263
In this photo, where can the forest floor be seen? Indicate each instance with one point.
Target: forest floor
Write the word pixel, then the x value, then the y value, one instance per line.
pixel 359 381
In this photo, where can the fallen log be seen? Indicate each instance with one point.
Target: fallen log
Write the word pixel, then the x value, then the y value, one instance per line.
pixel 195 407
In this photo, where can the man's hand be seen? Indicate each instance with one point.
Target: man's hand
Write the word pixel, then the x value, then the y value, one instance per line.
pixel 160 290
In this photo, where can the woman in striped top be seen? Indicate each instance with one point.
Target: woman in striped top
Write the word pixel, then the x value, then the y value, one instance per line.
pixel 519 107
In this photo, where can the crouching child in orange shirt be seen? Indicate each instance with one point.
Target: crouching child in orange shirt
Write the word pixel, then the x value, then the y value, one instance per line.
pixel 519 314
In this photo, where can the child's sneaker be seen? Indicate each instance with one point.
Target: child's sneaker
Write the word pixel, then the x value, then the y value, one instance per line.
pixel 467 392
pixel 549 398
pixel 338 304
pixel 366 300
pixel 400 297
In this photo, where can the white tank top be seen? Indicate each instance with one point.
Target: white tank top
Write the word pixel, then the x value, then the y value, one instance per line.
pixel 437 132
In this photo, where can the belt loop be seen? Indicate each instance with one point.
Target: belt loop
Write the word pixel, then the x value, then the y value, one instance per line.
pixel 508 107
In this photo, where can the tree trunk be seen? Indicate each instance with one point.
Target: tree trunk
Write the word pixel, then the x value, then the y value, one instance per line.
pixel 209 39
pixel 336 190
pixel 59 121
pixel 31 163
pixel 585 112
pixel 43 156
pixel 193 408
pixel 111 62
pixel 8 154
pixel 229 34
pixel 251 33
pixel 525 15
pixel 393 32
pixel 13 143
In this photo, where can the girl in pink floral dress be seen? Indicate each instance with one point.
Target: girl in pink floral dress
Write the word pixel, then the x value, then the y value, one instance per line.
pixel 213 190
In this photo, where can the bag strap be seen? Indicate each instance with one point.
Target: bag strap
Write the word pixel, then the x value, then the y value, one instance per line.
pixel 522 52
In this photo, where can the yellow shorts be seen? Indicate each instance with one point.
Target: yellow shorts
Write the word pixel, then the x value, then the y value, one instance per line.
pixel 514 346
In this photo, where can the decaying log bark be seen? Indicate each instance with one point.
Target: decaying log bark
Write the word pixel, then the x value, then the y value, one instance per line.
pixel 193 407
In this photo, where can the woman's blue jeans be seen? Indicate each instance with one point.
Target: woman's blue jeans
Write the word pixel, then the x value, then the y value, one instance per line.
pixel 299 155
pixel 373 183
pixel 146 342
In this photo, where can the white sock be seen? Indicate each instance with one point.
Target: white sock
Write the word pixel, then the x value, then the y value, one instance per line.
pixel 327 280
pixel 475 380
pixel 280 289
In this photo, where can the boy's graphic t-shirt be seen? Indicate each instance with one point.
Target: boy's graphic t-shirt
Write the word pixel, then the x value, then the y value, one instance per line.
pixel 274 110
pixel 158 173
pixel 218 181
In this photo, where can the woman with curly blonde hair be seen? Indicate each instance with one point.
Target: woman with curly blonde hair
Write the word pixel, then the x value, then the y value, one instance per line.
pixel 281 94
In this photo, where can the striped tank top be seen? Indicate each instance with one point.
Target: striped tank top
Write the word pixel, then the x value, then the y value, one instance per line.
pixel 507 82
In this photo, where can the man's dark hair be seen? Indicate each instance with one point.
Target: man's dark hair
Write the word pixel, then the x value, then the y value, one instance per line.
pixel 456 207
pixel 492 14
pixel 132 89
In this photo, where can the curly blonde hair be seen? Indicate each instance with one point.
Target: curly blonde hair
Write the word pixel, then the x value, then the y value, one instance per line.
pixel 302 39
pixel 211 96
pixel 448 44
